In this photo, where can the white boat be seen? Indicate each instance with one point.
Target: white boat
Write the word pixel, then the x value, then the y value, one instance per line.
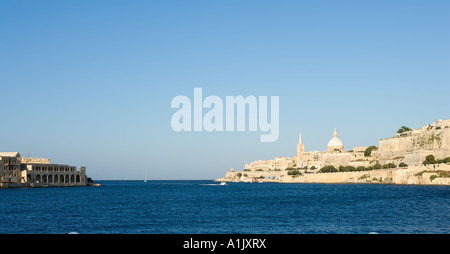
pixel 223 183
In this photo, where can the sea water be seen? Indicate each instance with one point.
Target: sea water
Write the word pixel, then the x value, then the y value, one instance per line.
pixel 204 207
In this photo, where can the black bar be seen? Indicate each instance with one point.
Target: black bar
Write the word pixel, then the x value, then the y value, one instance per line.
pixel 224 243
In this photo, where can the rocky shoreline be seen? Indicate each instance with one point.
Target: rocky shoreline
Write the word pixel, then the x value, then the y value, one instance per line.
pixel 438 174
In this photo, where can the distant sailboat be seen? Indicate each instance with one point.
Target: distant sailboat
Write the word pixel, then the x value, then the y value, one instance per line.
pixel 145 180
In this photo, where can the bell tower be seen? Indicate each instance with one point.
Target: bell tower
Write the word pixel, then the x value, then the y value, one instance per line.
pixel 300 151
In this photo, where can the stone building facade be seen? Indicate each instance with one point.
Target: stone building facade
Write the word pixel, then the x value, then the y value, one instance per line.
pixel 335 155
pixel 10 167
pixel 409 147
pixel 16 171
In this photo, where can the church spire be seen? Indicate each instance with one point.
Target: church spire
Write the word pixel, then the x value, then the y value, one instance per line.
pixel 335 133
pixel 300 151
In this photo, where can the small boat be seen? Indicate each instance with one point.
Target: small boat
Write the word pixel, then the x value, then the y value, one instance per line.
pixel 223 183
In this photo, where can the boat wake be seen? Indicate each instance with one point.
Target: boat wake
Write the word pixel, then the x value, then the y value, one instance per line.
pixel 215 184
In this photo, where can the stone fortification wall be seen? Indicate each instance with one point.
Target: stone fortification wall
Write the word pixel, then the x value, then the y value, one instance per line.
pixel 414 145
pixel 409 147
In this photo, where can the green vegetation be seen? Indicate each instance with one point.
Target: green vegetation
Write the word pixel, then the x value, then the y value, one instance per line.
pixel 368 150
pixel 441 173
pixel 327 169
pixel 353 169
pixel 362 168
pixel 420 173
pixel 377 180
pixel 389 165
pixel 403 165
pixel 431 160
pixel 364 177
pixel 239 175
pixel 403 129
pixel 346 168
pixel 294 173
pixel 377 166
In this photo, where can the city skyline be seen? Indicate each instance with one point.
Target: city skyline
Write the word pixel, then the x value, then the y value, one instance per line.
pixel 92 82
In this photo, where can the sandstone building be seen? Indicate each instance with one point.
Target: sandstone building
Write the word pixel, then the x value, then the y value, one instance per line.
pixel 16 171
pixel 408 147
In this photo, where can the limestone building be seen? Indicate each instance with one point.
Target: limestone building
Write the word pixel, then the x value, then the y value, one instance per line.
pixel 279 163
pixel 10 167
pixel 16 171
pixel 408 147
pixel 335 154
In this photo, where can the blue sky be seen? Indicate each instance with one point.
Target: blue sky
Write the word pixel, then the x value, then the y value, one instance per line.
pixel 91 82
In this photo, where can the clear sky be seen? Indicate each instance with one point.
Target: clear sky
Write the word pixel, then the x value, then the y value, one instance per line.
pixel 91 82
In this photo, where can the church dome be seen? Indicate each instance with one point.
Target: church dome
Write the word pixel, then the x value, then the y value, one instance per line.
pixel 335 144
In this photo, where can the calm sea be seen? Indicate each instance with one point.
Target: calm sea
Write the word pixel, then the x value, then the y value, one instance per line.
pixel 203 207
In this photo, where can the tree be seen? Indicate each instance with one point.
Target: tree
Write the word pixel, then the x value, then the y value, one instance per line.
pixel 346 169
pixel 377 166
pixel 327 169
pixel 361 168
pixel 429 160
pixel 389 165
pixel 403 165
pixel 403 129
pixel 294 172
pixel 368 151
